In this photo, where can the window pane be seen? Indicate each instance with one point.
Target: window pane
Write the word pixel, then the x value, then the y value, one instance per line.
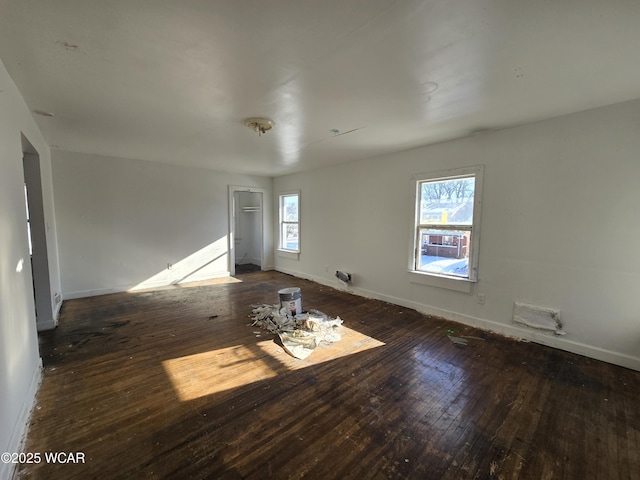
pixel 290 208
pixel 447 201
pixel 290 236
pixel 444 251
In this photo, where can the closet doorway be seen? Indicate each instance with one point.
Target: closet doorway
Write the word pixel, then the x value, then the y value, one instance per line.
pixel 246 230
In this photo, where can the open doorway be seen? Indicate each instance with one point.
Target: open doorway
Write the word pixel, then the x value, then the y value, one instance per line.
pixel 246 239
pixel 36 229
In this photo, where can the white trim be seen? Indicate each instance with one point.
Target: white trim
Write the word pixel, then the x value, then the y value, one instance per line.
pixel 56 313
pixel 231 253
pixel 508 330
pixel 290 254
pixel 21 426
pixel 463 285
pixel 148 286
pixel 95 292
pixel 48 325
pixel 279 247
pixel 441 280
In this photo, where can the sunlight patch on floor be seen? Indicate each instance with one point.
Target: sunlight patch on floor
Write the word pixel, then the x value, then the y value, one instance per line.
pixel 215 371
pixel 352 342
pixel 206 373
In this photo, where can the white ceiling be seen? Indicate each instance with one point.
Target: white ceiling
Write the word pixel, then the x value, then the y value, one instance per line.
pixel 173 80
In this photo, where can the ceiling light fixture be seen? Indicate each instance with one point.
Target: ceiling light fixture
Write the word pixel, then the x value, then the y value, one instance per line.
pixel 259 125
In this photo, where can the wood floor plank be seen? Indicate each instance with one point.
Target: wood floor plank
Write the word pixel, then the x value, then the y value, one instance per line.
pixel 177 383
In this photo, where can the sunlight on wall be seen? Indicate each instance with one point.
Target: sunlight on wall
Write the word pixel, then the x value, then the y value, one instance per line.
pixel 215 371
pixel 208 262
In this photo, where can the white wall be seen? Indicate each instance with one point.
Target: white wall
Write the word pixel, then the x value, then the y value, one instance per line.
pixel 121 221
pixel 560 228
pixel 20 364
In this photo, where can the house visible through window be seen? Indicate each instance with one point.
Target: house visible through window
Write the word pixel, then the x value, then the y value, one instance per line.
pixel 290 222
pixel 446 226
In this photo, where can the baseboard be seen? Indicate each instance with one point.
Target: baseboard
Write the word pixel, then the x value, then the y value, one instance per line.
pixel 93 293
pixel 56 313
pixel 43 326
pixel 313 278
pixel 50 324
pixel 139 286
pixel 513 331
pixel 542 338
pixel 20 427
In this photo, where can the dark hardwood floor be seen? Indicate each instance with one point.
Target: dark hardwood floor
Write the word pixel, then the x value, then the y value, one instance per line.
pixel 175 383
pixel 246 268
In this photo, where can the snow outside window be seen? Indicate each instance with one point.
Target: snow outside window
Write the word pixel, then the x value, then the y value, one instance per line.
pixel 290 222
pixel 446 229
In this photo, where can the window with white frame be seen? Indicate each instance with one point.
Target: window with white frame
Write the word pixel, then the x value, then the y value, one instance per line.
pixel 447 221
pixel 290 222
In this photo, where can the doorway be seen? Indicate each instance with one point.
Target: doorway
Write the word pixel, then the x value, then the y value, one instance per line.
pixel 36 228
pixel 246 240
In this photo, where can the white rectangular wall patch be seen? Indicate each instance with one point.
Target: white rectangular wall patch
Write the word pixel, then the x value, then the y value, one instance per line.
pixel 538 317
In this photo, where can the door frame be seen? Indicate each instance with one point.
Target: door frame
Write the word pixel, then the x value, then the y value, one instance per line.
pixel 232 226
pixel 45 314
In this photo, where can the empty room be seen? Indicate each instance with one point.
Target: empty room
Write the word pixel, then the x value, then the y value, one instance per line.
pixel 383 239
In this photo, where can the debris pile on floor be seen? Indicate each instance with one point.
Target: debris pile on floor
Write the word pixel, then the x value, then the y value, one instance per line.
pixel 462 340
pixel 300 334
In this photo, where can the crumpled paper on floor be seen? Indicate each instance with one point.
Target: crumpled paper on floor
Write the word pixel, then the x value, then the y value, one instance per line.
pixel 300 334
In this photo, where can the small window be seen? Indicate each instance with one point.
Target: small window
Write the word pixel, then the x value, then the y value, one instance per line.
pixel 447 215
pixel 290 222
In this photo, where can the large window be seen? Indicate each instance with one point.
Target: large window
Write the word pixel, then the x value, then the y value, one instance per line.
pixel 290 222
pixel 447 215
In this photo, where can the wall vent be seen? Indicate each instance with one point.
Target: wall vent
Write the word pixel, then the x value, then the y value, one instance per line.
pixel 538 317
pixel 343 276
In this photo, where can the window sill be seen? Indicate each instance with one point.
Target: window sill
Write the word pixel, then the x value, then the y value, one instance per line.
pixel 290 254
pixel 463 285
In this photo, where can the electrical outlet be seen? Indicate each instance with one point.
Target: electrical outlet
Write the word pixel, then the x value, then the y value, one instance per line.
pixel 169 266
pixel 481 298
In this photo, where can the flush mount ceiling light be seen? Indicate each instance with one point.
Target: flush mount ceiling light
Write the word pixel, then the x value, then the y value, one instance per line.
pixel 259 124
